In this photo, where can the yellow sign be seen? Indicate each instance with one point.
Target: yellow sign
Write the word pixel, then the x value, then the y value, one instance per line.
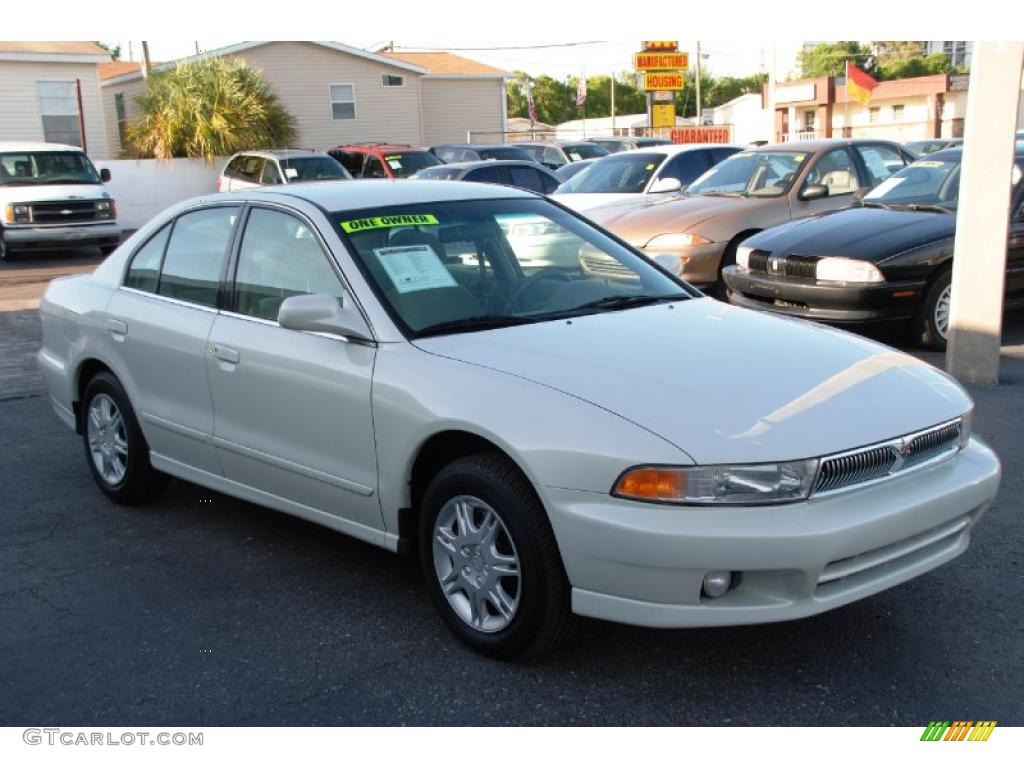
pixel 661 45
pixel 648 62
pixel 663 116
pixel 381 222
pixel 663 81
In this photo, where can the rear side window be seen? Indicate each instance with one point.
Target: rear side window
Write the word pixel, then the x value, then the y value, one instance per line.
pixel 144 271
pixel 489 175
pixel 527 178
pixel 196 253
pixel 374 169
pixel 718 154
pixel 234 169
pixel 687 166
pixel 881 161
pixel 353 161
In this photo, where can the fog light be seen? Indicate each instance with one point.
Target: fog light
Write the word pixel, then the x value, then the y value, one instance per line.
pixel 717 583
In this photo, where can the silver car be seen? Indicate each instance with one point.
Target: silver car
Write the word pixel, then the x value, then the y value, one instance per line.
pixel 549 442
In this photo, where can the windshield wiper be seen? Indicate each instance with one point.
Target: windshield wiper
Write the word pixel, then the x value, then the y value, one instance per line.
pixel 875 204
pixel 930 207
pixel 474 323
pixel 628 302
pixel 715 193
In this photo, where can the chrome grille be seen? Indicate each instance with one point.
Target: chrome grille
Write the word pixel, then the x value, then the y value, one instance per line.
pixel 789 266
pixel 597 264
pixel 889 458
pixel 66 212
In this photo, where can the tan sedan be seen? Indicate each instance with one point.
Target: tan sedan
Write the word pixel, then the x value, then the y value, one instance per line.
pixel 749 192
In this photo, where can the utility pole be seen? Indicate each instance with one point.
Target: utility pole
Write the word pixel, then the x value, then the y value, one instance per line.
pixel 699 120
pixel 613 103
pixel 197 47
pixel 145 60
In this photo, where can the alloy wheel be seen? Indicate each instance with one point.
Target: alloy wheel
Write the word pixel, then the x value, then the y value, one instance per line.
pixel 477 564
pixel 108 441
pixel 941 314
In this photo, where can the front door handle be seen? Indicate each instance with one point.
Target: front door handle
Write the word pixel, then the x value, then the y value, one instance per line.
pixel 227 354
pixel 118 327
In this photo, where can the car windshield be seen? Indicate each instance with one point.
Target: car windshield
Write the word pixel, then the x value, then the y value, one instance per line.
pixel 746 174
pixel 504 153
pixel 313 168
pixel 405 164
pixel 464 266
pixel 32 168
pixel 442 172
pixel 584 151
pixel 928 182
pixel 615 173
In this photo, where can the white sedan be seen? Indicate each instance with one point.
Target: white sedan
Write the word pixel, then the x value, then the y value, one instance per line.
pixel 551 443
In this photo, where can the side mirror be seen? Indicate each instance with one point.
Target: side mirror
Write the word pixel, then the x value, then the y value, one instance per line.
pixel 814 192
pixel 104 174
pixel 670 263
pixel 326 314
pixel 666 184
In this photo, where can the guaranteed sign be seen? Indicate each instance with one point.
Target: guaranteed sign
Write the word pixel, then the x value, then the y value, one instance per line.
pixel 663 81
pixel 381 222
pixel 650 61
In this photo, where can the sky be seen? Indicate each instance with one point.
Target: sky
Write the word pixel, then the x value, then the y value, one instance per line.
pixel 588 55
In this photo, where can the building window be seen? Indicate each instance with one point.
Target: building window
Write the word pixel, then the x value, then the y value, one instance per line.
pixel 343 102
pixel 392 81
pixel 873 115
pixel 809 117
pixel 897 112
pixel 58 106
pixel 122 120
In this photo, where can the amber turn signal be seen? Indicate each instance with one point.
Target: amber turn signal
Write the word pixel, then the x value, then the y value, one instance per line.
pixel 652 483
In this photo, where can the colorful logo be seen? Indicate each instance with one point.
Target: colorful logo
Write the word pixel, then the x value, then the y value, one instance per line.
pixel 959 730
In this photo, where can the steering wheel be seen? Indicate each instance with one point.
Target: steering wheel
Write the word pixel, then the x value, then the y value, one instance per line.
pixel 531 281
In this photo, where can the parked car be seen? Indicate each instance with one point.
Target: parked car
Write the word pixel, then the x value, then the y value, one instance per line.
pixel 555 154
pixel 464 153
pixel 383 161
pixel 52 197
pixel 526 175
pixel 750 191
pixel 278 166
pixel 888 260
pixel 640 174
pixel 521 429
pixel 927 146
pixel 567 171
pixel 624 143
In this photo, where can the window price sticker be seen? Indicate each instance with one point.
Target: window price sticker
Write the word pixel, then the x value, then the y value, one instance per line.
pixel 414 268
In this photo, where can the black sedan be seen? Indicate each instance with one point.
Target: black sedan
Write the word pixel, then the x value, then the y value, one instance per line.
pixel 890 258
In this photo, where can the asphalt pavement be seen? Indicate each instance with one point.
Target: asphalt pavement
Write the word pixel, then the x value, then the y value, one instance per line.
pixel 204 610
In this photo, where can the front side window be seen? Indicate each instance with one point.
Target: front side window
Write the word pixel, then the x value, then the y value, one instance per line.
pixel 279 257
pixel 751 174
pixel 584 151
pixel 343 102
pixel 487 175
pixel 374 169
pixel 687 166
pixel 462 266
pixel 144 271
pixel 58 105
pixel 196 253
pixel 270 176
pixel 525 177
pixel 617 173
pixel 503 153
pixel 38 168
pixel 836 171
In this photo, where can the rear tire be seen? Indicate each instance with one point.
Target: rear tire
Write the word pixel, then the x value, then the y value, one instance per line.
pixel 4 254
pixel 115 447
pixel 931 322
pixel 491 561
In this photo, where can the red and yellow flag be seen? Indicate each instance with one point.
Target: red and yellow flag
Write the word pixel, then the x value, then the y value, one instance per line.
pixel 859 83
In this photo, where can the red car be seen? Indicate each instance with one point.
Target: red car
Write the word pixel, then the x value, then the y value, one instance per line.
pixel 383 161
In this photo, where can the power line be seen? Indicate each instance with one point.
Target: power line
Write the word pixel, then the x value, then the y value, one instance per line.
pixel 505 47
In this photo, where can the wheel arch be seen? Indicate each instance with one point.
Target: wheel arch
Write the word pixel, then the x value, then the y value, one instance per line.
pixel 84 373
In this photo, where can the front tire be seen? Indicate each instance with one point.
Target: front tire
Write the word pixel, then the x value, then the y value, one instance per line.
pixel 491 561
pixel 115 447
pixel 931 323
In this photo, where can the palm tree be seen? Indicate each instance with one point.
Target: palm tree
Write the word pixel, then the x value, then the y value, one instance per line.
pixel 208 108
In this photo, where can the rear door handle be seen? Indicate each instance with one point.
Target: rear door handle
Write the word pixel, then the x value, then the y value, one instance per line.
pixel 227 354
pixel 119 327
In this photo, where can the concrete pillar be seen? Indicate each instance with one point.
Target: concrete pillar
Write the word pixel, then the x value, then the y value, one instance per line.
pixel 979 256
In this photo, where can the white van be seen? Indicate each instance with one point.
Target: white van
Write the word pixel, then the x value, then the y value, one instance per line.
pixel 52 197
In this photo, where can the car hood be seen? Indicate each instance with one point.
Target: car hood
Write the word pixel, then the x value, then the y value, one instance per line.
pixel 46 192
pixel 639 222
pixel 871 234
pixel 586 201
pixel 723 384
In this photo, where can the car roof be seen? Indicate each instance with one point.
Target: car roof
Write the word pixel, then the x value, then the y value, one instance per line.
pixel 383 147
pixel 671 149
pixel 36 146
pixel 957 152
pixel 471 164
pixel 281 153
pixel 559 143
pixel 376 193
pixel 813 145
pixel 474 146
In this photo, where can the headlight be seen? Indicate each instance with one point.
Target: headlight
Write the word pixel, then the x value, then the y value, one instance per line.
pixel 743 256
pixel 105 209
pixel 847 270
pixel 17 214
pixel 721 484
pixel 676 240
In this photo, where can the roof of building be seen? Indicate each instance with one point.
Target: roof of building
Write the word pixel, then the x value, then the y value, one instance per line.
pixel 117 68
pixel 69 48
pixel 445 63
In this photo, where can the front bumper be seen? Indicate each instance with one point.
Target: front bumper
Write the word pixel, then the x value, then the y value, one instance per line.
pixel 107 233
pixel 644 564
pixel 700 262
pixel 825 301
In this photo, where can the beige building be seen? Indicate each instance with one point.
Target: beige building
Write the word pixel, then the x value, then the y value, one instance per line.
pixel 341 95
pixel 50 91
